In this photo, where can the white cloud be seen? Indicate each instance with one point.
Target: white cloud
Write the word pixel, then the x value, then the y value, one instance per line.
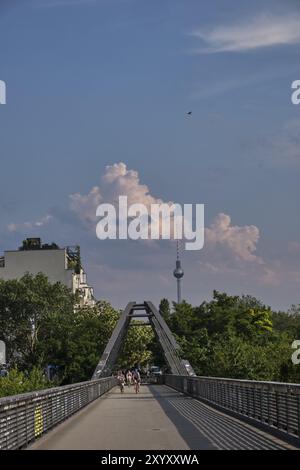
pixel 84 206
pixel 226 246
pixel 116 181
pixel 262 31
pixel 25 226
pixel 229 250
pixel 239 241
pixel 229 254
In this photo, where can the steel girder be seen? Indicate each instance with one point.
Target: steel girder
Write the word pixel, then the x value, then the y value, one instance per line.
pixel 161 330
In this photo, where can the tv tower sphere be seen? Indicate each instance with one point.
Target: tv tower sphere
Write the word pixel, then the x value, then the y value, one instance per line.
pixel 178 274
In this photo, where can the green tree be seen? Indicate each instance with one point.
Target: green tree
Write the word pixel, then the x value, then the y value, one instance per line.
pixel 25 305
pixel 164 308
pixel 137 346
pixel 40 326
pixel 75 342
pixel 237 337
pixel 19 382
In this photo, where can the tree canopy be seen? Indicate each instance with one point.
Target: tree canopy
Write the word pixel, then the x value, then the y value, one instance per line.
pixel 237 337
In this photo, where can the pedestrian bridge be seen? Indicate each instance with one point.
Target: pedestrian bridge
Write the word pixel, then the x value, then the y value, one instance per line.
pixel 158 418
pixel 179 414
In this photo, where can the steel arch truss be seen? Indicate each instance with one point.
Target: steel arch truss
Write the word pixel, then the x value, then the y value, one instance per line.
pixel 161 330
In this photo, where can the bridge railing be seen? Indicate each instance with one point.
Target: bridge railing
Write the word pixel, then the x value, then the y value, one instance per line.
pixel 273 404
pixel 23 418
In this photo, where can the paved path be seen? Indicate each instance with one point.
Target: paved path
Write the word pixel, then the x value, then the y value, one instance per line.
pixel 157 418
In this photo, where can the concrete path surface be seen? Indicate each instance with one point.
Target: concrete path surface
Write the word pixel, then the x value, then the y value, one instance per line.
pixel 157 418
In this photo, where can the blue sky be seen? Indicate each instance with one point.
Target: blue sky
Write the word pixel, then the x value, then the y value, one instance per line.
pixel 94 83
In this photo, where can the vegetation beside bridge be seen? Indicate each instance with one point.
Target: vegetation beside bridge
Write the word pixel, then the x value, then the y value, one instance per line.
pixel 230 336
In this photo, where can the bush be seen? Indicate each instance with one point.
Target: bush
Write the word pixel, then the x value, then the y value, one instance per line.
pixel 18 382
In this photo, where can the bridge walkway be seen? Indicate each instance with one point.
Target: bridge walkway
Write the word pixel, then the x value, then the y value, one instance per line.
pixel 158 418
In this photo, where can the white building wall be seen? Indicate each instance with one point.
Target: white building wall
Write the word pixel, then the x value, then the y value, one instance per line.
pixel 50 262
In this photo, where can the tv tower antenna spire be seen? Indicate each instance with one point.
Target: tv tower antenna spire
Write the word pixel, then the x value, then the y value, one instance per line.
pixel 178 273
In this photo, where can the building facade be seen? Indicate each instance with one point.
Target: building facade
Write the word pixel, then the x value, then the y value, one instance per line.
pixel 58 264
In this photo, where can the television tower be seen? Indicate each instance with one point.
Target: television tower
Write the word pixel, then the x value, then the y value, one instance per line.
pixel 178 273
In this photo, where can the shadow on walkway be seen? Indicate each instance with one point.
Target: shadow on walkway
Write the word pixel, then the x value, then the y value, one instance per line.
pixel 218 430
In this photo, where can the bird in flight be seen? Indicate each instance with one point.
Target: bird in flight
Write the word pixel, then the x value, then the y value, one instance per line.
pixel 189 113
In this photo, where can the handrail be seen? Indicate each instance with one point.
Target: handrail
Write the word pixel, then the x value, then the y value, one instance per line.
pixel 274 405
pixel 25 417
pixel 226 379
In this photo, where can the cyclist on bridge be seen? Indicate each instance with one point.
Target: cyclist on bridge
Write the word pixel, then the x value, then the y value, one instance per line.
pixel 121 380
pixel 129 378
pixel 136 380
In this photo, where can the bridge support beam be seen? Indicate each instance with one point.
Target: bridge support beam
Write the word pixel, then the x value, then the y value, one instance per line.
pixel 161 330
